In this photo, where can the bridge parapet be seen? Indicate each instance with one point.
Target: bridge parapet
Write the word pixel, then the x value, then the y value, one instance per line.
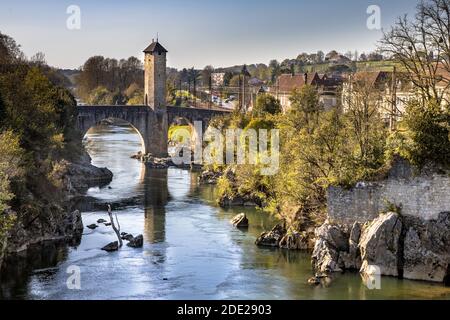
pixel 151 125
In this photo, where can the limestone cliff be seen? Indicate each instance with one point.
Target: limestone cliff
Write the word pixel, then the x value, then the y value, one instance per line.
pixel 411 243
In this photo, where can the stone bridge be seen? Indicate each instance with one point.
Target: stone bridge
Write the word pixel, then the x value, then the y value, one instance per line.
pixel 151 125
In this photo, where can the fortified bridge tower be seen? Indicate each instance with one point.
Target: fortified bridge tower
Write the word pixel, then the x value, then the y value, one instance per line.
pixel 152 119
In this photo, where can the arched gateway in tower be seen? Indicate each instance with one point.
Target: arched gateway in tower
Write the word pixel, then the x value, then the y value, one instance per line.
pixel 152 119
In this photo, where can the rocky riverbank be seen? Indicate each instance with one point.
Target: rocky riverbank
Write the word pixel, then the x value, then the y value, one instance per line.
pixel 83 175
pixel 233 197
pixel 209 177
pixel 57 221
pixel 410 241
pixel 153 162
pixel 288 238
pixel 400 246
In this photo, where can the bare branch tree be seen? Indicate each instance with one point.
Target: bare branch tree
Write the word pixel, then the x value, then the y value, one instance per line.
pixel 422 47
pixel 363 105
pixel 115 228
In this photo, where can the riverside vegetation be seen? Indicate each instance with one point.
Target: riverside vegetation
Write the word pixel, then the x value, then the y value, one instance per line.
pixel 42 161
pixel 322 148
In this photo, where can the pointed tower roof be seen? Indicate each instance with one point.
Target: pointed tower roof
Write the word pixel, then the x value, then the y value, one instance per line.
pixel 155 47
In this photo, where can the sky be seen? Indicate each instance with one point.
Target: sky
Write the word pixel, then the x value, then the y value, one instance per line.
pixel 195 32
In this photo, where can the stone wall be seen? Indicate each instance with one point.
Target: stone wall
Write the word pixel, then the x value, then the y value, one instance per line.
pixel 424 196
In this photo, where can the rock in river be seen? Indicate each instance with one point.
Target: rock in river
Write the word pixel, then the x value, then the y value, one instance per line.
pixel 330 242
pixel 126 236
pixel 272 238
pixel 137 242
pixel 427 249
pixel 380 244
pixel 113 246
pixel 101 221
pixel 240 221
pixel 92 226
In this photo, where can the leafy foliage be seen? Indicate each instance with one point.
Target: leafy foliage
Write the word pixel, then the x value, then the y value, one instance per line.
pixel 108 81
pixel 37 132
pixel 318 148
pixel 429 132
pixel 266 104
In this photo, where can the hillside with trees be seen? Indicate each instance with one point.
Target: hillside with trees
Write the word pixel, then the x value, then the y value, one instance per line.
pixel 38 141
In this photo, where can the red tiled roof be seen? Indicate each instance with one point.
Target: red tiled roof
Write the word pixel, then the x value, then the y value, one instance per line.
pixel 289 82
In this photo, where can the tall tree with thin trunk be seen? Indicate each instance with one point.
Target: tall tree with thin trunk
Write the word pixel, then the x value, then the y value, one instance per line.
pixel 422 46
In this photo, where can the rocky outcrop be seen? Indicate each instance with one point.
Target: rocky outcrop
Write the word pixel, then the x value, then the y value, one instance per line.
pixel 113 246
pixel 427 249
pixel 234 198
pixel 209 177
pixel 153 162
pixel 56 221
pixel 56 226
pixel 240 201
pixel 272 238
pixel 296 240
pixel 83 176
pixel 380 244
pixel 402 246
pixel 156 163
pixel 331 241
pixel 136 242
pixel 240 221
pixel 78 176
pixel 351 259
pixel 126 236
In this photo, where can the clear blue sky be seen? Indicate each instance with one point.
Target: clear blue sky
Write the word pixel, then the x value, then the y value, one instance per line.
pixel 196 32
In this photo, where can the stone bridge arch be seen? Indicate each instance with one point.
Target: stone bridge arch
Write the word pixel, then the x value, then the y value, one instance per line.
pixel 192 115
pixel 150 125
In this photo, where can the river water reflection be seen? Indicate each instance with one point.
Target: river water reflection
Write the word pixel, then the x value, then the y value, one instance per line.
pixel 190 252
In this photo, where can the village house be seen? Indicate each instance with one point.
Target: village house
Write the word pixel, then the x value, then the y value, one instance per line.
pixel 327 87
pixel 394 91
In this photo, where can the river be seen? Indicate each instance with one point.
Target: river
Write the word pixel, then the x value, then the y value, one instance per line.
pixel 190 249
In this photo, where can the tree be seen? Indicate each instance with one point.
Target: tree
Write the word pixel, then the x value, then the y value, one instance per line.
pixel 429 130
pixel 10 160
pixel 37 137
pixel 266 104
pixel 422 46
pixel 305 106
pixel 349 55
pixel 365 126
pixel 109 73
pixel 303 58
pixel 227 79
pixel 375 56
pixel 331 55
pixel 275 70
pixel 38 59
pixel 206 75
pixel 9 50
pixel 101 96
pixel 320 56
